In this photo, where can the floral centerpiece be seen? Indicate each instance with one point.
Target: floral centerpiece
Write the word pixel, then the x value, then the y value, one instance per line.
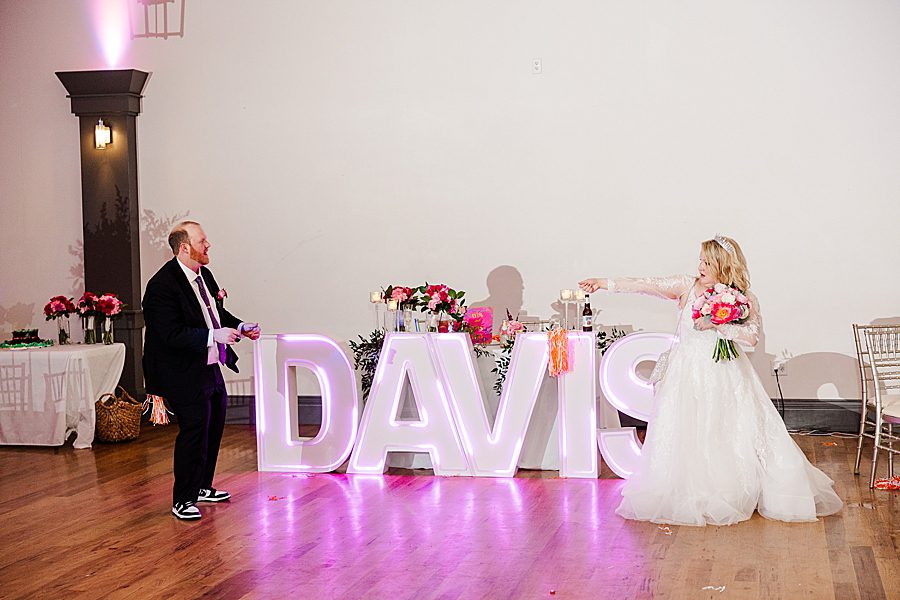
pixel 88 311
pixel 58 309
pixel 511 326
pixel 440 300
pixel 407 301
pixel 405 296
pixel 110 307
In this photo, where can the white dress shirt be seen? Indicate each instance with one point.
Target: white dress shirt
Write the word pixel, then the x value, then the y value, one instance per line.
pixel 212 354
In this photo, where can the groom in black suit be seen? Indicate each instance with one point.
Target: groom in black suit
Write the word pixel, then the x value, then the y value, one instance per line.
pixel 189 334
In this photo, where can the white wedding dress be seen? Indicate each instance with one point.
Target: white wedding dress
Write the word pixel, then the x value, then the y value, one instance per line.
pixel 716 448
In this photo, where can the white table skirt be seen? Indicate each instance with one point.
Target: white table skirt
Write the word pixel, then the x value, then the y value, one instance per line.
pixel 46 393
pixel 540 449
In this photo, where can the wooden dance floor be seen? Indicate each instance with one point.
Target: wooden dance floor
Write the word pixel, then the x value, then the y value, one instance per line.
pixel 96 524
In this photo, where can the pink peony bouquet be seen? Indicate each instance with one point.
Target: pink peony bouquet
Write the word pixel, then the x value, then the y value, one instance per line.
pixel 721 305
pixel 109 305
pixel 59 307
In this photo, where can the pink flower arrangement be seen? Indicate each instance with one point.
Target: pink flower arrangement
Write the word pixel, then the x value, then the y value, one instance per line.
pixel 221 295
pixel 439 298
pixel 59 307
pixel 109 305
pixel 722 305
pixel 87 305
pixel 405 296
pixel 510 327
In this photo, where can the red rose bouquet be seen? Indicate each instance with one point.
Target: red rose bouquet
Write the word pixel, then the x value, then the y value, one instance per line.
pixel 59 307
pixel 109 306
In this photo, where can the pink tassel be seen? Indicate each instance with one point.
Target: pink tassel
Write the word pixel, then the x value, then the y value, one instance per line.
pixel 159 415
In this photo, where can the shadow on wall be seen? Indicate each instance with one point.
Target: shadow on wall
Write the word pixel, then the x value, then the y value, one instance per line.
pixel 822 375
pixel 886 321
pixel 506 291
pixel 17 316
pixel 76 270
pixel 155 237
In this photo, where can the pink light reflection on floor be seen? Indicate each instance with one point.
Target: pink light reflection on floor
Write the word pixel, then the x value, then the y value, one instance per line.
pixel 420 536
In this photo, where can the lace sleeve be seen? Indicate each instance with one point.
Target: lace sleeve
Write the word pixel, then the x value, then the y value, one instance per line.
pixel 669 288
pixel 747 335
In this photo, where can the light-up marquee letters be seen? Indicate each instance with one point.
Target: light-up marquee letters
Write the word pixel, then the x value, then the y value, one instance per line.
pixel 453 427
pixel 628 393
pixel 279 447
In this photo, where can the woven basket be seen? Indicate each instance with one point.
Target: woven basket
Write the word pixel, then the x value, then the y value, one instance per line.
pixel 118 418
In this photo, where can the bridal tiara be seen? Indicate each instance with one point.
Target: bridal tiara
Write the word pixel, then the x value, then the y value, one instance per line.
pixel 728 246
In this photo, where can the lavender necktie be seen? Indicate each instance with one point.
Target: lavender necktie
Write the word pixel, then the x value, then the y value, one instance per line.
pixel 212 316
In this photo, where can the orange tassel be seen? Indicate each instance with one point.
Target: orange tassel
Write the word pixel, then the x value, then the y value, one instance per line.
pixel 159 415
pixel 558 340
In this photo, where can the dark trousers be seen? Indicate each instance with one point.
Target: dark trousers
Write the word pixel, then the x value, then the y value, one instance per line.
pixel 201 420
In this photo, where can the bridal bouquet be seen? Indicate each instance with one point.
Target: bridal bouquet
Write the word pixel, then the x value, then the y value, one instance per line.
pixel 722 305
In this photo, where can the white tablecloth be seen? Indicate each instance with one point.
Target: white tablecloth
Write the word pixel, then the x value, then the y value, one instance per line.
pixel 46 393
pixel 540 449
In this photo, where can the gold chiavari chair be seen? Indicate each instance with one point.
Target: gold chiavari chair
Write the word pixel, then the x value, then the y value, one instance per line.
pixel 865 387
pixel 883 347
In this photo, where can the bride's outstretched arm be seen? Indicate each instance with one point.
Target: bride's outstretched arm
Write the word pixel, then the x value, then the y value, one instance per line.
pixel 669 288
pixel 747 334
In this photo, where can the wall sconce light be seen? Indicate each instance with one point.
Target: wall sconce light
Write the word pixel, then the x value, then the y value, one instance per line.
pixel 102 135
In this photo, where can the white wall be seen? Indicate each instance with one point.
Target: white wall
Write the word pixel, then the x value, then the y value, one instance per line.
pixel 330 148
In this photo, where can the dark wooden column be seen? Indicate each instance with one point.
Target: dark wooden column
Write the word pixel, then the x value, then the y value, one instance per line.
pixel 109 199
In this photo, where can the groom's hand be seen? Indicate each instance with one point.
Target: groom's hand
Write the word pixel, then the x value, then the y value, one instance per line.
pixel 226 335
pixel 251 330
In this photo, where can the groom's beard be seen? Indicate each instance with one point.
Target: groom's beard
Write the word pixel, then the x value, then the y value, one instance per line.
pixel 200 257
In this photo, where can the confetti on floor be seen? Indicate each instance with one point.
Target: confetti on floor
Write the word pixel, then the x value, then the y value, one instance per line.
pixel 714 588
pixel 274 498
pixel 829 443
pixel 888 484
pixel 665 530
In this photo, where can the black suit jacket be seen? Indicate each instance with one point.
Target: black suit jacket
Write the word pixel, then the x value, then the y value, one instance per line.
pixel 175 350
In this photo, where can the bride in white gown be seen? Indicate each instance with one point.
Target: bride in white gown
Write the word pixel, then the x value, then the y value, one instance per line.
pixel 716 448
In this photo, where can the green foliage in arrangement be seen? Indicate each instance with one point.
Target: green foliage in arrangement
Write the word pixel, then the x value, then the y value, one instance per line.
pixel 365 358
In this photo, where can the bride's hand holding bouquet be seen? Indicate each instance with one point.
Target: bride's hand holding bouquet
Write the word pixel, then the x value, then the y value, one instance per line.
pixel 721 305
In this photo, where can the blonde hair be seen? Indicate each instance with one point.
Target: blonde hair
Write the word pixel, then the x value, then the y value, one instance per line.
pixel 727 265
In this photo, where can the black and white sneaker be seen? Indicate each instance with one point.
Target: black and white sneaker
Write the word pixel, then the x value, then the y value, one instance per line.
pixel 186 511
pixel 212 495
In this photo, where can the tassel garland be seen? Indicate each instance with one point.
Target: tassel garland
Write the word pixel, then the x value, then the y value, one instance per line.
pixel 558 340
pixel 159 414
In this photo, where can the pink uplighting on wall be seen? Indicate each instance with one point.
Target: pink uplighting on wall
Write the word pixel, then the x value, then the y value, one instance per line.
pixel 112 29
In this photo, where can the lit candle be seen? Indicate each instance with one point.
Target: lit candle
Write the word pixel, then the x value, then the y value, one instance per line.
pixel 579 294
pixel 565 295
pixel 375 297
pixel 392 304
